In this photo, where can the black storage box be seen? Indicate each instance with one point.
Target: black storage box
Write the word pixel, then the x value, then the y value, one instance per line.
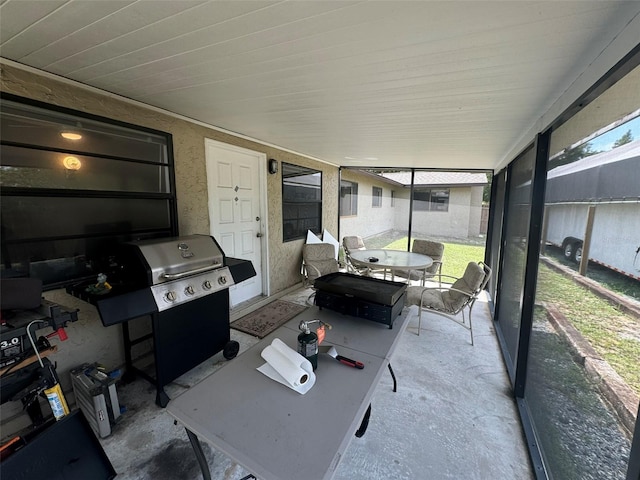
pixel 20 293
pixel 365 297
pixel 65 450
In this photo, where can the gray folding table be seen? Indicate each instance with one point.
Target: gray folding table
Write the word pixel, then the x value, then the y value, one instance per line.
pixel 273 431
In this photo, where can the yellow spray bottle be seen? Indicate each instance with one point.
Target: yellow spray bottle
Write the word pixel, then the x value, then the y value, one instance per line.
pixel 52 390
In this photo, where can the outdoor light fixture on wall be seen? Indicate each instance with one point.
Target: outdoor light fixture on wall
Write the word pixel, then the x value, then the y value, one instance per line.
pixel 273 165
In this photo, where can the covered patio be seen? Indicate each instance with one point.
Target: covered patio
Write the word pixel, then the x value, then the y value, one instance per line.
pixel 452 416
pixel 226 102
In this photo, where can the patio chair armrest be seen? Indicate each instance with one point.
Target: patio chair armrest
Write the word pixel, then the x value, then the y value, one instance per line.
pixel 444 289
pixel 309 269
pixel 449 276
pixel 466 294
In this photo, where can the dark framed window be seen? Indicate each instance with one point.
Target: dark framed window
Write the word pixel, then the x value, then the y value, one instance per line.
pixel 376 197
pixel 431 199
pixel 301 201
pixel 348 198
pixel 74 186
pixel 393 198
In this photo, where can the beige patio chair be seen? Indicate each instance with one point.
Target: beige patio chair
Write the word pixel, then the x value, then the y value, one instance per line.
pixel 435 250
pixel 352 243
pixel 451 302
pixel 318 259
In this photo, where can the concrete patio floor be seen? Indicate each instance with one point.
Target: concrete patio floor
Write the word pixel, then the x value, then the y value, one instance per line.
pixel 452 417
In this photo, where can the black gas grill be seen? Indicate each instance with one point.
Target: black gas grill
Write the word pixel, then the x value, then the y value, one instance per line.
pixel 183 284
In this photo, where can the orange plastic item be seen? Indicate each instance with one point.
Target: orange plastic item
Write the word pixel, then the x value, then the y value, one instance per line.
pixel 320 332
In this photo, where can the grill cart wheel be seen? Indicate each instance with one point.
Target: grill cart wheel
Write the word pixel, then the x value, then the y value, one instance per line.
pixel 231 349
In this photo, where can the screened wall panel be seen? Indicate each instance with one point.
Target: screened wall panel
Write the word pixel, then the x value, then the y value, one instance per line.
pixel 514 253
pixel 495 246
pixel 583 404
pixel 390 208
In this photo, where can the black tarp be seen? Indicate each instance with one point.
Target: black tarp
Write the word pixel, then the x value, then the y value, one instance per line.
pixel 612 175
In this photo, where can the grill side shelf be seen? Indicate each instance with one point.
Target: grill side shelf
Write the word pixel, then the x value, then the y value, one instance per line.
pixel 241 270
pixel 127 306
pixel 119 305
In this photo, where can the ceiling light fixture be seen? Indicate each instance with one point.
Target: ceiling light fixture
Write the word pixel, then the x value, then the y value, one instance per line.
pixel 72 163
pixel 70 135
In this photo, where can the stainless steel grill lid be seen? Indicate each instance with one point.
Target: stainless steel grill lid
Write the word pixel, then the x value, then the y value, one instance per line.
pixel 178 257
pixel 180 269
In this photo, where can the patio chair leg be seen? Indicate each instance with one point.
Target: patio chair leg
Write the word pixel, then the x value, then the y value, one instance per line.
pixel 311 299
pixel 470 325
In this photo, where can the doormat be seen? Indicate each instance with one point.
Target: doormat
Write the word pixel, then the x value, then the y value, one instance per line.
pixel 265 320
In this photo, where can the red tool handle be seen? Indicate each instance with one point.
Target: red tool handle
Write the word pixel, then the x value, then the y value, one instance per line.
pixel 60 333
pixel 351 363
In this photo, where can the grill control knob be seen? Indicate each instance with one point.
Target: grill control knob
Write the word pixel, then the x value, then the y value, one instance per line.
pixel 222 280
pixel 170 297
pixel 189 290
pixel 206 285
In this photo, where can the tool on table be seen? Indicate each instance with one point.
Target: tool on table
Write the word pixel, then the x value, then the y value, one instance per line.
pixel 331 350
pixel 308 341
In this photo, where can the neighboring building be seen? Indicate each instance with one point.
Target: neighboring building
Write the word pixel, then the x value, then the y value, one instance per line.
pixel 445 204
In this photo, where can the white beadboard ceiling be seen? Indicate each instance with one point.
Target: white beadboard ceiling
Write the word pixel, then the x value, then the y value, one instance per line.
pixel 443 84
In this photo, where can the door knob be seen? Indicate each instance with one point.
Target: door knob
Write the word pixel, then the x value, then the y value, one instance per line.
pixel 259 234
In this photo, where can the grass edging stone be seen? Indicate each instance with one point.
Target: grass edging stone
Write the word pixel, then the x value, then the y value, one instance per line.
pixel 613 388
pixel 622 303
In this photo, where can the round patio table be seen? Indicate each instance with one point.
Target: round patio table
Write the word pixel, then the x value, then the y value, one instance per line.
pixel 391 260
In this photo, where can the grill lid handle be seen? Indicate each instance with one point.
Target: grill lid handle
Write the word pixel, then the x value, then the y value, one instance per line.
pixel 174 276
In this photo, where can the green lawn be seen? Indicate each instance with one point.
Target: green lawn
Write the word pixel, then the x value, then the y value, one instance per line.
pixel 456 256
pixel 613 334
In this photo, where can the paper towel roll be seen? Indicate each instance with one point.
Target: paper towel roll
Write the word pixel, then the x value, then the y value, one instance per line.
pixel 287 366
pixel 291 372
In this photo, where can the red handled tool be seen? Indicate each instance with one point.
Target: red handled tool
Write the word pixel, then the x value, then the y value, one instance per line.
pixel 347 361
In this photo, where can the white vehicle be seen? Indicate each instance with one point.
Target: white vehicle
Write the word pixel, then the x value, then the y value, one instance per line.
pixel 608 184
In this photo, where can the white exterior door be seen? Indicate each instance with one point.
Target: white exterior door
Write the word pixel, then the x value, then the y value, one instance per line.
pixel 234 185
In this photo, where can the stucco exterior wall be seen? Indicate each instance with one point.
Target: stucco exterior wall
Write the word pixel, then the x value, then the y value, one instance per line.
pixel 285 259
pixel 475 211
pixel 460 221
pixel 88 340
pixel 369 220
pixel 452 223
